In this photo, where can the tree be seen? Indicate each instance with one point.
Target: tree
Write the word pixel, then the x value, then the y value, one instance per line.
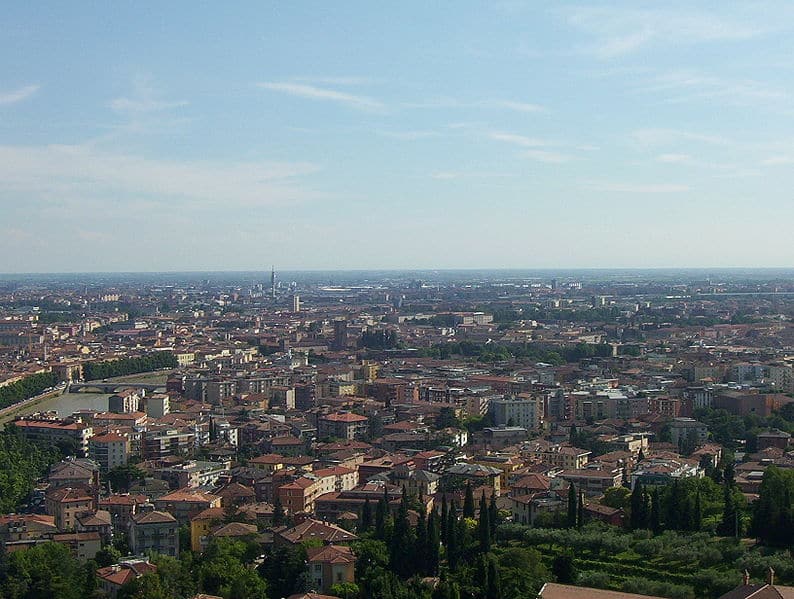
pixel 571 519
pixel 572 435
pixel 400 540
pixel 366 516
pixel 563 569
pixel 580 510
pixel 697 513
pixel 493 513
pixel 453 542
pixel 617 497
pixel 433 541
pixel 447 418
pixel 494 587
pixel 381 513
pixel 444 518
pixel 726 526
pixel 484 526
pixel 107 556
pixel 345 590
pixel 278 510
pixel 420 546
pixel 468 502
pixel 656 512
pixel 638 508
pixel 121 477
pixel 46 570
pixel 284 570
pixel 246 584
pixel 146 587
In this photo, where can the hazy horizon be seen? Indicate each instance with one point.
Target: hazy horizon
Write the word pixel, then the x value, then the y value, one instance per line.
pixel 181 137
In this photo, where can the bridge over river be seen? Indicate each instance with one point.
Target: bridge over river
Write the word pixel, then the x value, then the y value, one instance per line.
pixel 112 387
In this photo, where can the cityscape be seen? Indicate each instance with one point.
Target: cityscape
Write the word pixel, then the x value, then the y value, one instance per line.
pixel 407 300
pixel 375 434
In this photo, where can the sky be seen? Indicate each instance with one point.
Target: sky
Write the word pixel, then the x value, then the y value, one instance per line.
pixel 171 136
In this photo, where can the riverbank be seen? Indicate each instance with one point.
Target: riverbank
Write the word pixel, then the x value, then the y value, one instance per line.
pixel 60 402
pixel 28 406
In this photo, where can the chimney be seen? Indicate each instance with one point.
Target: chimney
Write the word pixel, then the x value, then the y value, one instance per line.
pixel 770 576
pixel 746 578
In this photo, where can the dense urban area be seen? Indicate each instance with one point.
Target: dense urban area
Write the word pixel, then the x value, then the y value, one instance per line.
pixel 437 435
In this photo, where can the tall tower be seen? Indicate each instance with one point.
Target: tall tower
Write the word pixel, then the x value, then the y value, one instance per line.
pixel 273 283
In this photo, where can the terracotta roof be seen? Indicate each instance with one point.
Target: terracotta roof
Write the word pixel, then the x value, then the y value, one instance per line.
pixel 211 513
pixel 189 495
pixel 552 590
pixel 154 517
pixel 68 494
pixel 119 574
pixel 759 591
pixel 123 499
pixel 235 529
pixel 107 438
pixel 332 554
pixel 269 458
pixel 347 417
pixel 314 529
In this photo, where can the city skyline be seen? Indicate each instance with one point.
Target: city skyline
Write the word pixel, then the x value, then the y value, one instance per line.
pixel 354 137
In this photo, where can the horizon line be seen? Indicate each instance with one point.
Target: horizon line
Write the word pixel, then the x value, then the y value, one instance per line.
pixel 406 269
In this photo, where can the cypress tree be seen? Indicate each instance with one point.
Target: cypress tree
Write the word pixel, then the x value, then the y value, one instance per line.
pixel 420 546
pixel 494 587
pixel 646 512
pixel 432 543
pixel 278 511
pixel 482 575
pixel 400 540
pixel 444 517
pixel 572 435
pixel 493 513
pixel 366 516
pixel 673 511
pixel 453 542
pixel 637 518
pixel 697 513
pixel 468 502
pixel 728 524
pixel 656 512
pixel 484 526
pixel 380 519
pixel 571 520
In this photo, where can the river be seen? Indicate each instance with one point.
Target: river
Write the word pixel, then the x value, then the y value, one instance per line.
pixel 69 403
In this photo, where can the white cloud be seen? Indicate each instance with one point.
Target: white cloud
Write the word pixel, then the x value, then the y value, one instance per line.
pixel 446 175
pixel 650 188
pixel 685 85
pixel 17 95
pixel 781 160
pixel 318 93
pixel 538 147
pixel 144 99
pixel 84 175
pixel 674 158
pixel 408 135
pixel 661 137
pixel 546 156
pixel 518 140
pixel 452 102
pixel 451 175
pixel 619 31
pixel 336 80
pixel 518 106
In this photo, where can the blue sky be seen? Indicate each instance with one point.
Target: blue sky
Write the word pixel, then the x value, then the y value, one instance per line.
pixel 325 135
